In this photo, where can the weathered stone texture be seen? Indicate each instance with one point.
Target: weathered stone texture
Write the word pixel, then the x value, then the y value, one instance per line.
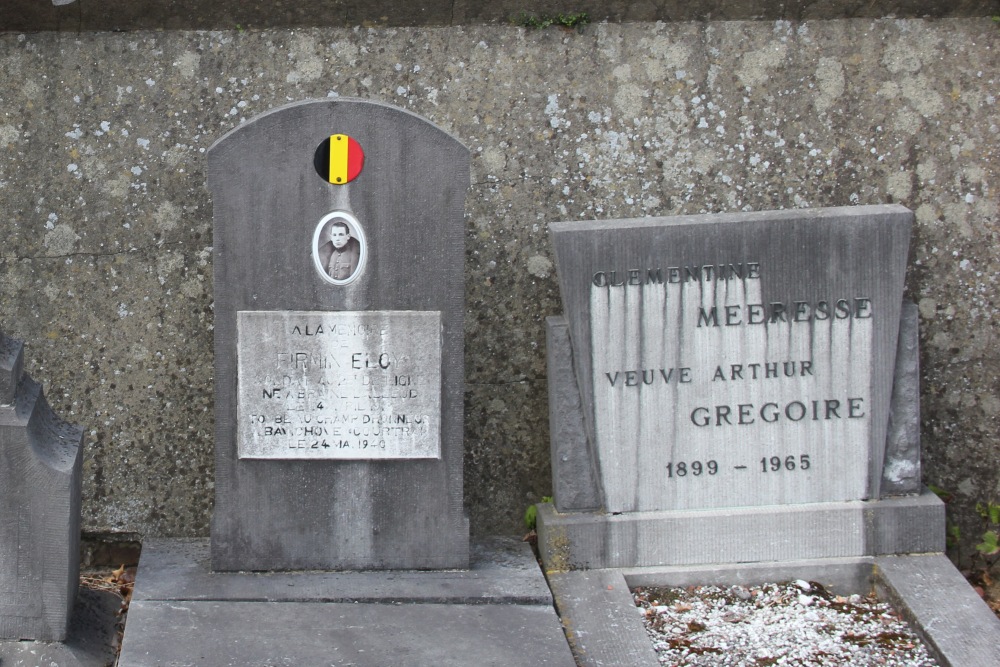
pixel 107 222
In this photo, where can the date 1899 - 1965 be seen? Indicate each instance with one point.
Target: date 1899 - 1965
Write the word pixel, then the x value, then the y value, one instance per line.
pixel 768 464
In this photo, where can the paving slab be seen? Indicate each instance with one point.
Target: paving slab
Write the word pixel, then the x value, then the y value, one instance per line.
pixel 499 612
pixel 312 633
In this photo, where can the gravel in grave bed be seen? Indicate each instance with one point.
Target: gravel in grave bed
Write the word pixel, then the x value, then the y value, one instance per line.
pixel 798 623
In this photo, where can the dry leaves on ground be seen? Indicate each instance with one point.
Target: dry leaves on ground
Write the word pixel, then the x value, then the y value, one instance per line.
pixel 118 582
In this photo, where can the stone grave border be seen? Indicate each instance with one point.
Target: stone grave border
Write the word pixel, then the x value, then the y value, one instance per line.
pixel 959 629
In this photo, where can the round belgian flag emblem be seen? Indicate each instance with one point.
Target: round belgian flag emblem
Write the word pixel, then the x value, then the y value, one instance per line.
pixel 339 159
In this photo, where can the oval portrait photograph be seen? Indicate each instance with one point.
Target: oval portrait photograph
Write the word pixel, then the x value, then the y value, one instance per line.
pixel 339 248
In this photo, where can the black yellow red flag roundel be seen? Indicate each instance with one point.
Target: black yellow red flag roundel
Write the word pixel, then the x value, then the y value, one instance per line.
pixel 339 159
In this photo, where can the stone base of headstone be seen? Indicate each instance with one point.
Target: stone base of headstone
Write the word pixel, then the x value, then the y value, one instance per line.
pixel 498 612
pixel 591 540
pixel 91 640
pixel 41 459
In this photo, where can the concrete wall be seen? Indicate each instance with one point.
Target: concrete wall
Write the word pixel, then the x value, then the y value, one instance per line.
pixel 87 15
pixel 105 255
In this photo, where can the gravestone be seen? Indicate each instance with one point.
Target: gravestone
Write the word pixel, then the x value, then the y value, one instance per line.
pixel 740 366
pixel 40 466
pixel 339 304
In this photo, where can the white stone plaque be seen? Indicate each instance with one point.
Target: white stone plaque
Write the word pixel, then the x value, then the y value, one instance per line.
pixel 736 360
pixel 711 395
pixel 339 385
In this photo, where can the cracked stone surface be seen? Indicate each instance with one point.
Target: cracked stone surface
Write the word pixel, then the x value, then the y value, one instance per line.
pixel 105 258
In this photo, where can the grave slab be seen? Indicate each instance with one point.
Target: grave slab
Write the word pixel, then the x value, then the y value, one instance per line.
pixel 599 618
pixel 298 633
pixel 498 612
pixel 574 480
pixel 901 470
pixel 502 571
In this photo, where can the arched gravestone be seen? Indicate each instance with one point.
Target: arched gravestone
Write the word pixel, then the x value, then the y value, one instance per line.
pixel 339 303
pixel 41 458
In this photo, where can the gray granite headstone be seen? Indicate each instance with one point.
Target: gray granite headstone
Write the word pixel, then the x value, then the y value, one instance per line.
pixel 40 466
pixel 339 368
pixel 735 359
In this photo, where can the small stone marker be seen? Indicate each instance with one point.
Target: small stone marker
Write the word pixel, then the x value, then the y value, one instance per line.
pixel 736 359
pixel 339 305
pixel 41 458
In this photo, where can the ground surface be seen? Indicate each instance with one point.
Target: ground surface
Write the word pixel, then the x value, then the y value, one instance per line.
pixel 798 623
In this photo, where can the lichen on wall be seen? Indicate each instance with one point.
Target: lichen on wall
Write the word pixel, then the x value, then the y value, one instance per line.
pixel 105 260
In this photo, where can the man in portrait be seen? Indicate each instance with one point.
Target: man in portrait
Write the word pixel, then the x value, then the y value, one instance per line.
pixel 340 254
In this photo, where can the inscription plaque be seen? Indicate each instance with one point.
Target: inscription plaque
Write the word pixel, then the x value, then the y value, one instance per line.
pixel 735 359
pixel 717 386
pixel 339 385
